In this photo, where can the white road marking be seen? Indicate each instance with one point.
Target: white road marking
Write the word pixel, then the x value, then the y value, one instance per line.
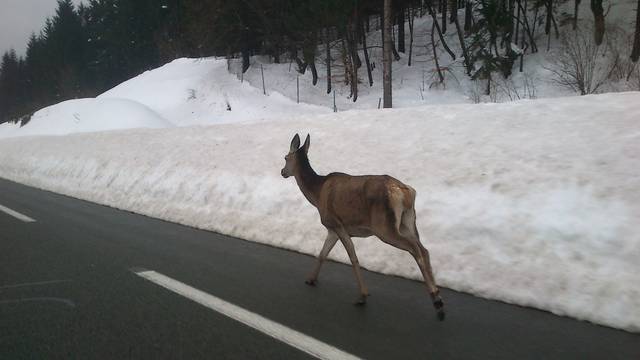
pixel 16 214
pixel 277 331
pixel 39 283
pixel 63 301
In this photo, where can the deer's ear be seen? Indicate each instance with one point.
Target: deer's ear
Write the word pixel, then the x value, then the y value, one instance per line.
pixel 307 142
pixel 295 144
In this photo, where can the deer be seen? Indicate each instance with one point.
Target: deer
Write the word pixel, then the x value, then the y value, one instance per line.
pixel 360 206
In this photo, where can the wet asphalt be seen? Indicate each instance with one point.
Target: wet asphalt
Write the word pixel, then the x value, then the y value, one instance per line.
pixel 67 292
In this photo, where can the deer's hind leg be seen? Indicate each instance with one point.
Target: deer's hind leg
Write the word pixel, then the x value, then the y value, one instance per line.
pixel 398 229
pixel 421 254
pixel 329 242
pixel 351 251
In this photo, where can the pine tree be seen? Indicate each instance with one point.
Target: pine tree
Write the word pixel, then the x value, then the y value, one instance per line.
pixel 10 87
pixel 635 52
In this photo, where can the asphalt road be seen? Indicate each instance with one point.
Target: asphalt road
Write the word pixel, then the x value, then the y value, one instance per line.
pixel 67 291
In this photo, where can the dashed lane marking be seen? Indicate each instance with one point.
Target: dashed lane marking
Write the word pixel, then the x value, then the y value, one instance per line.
pixel 16 214
pixel 296 339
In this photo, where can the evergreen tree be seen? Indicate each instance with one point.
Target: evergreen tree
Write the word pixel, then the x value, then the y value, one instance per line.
pixel 11 86
pixel 494 23
pixel 65 50
pixel 635 52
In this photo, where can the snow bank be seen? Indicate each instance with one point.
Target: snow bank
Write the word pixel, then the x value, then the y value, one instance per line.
pixel 86 115
pixel 183 92
pixel 533 202
pixel 201 91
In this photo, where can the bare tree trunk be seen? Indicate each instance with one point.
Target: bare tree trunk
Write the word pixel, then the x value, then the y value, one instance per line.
pixel 454 19
pixel 444 16
pixel 352 43
pixel 401 47
pixel 529 31
pixel 547 25
pixel 302 66
pixel 411 22
pixel 245 60
pixel 309 54
pixel 555 26
pixel 453 10
pixel 550 20
pixel 576 7
pixel 468 16
pixel 396 55
pixel 635 53
pixel 435 53
pixel 535 20
pixel 327 50
pixel 488 91
pixel 314 72
pixel 344 54
pixel 524 45
pixel 354 34
pixel 512 18
pixel 437 26
pixel 525 21
pixel 366 57
pixel 517 22
pixel 598 17
pixel 386 53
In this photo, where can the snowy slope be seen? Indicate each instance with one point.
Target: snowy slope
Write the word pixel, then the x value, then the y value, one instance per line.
pixel 417 84
pixel 183 92
pixel 201 91
pixel 87 115
pixel 532 202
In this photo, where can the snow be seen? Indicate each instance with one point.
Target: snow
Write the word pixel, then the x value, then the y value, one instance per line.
pixel 184 92
pixel 417 84
pixel 86 115
pixel 201 91
pixel 530 202
pixel 533 202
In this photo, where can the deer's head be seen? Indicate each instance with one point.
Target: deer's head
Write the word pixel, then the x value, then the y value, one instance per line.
pixel 292 158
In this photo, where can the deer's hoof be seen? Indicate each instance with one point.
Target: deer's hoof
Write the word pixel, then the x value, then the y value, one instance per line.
pixel 438 304
pixel 361 300
pixel 311 282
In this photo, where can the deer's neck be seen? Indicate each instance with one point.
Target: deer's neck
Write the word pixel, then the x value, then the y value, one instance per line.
pixel 308 181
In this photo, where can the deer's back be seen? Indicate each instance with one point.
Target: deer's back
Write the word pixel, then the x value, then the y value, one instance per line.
pixel 349 201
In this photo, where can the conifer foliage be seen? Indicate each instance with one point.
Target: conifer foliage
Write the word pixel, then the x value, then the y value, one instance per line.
pixel 85 50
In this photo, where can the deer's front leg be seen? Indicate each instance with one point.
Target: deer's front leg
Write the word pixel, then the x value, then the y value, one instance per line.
pixel 348 245
pixel 329 242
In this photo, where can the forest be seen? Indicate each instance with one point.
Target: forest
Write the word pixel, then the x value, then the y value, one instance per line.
pixel 83 51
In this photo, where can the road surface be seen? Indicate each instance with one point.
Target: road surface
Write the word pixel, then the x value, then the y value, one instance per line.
pixel 86 281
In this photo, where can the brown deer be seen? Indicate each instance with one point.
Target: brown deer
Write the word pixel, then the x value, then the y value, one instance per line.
pixel 361 206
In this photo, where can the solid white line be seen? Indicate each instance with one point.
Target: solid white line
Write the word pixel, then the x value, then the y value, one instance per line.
pixel 280 332
pixel 16 214
pixel 64 301
pixel 38 283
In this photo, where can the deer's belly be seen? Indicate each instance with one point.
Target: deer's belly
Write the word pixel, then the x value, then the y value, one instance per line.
pixel 355 226
pixel 356 231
